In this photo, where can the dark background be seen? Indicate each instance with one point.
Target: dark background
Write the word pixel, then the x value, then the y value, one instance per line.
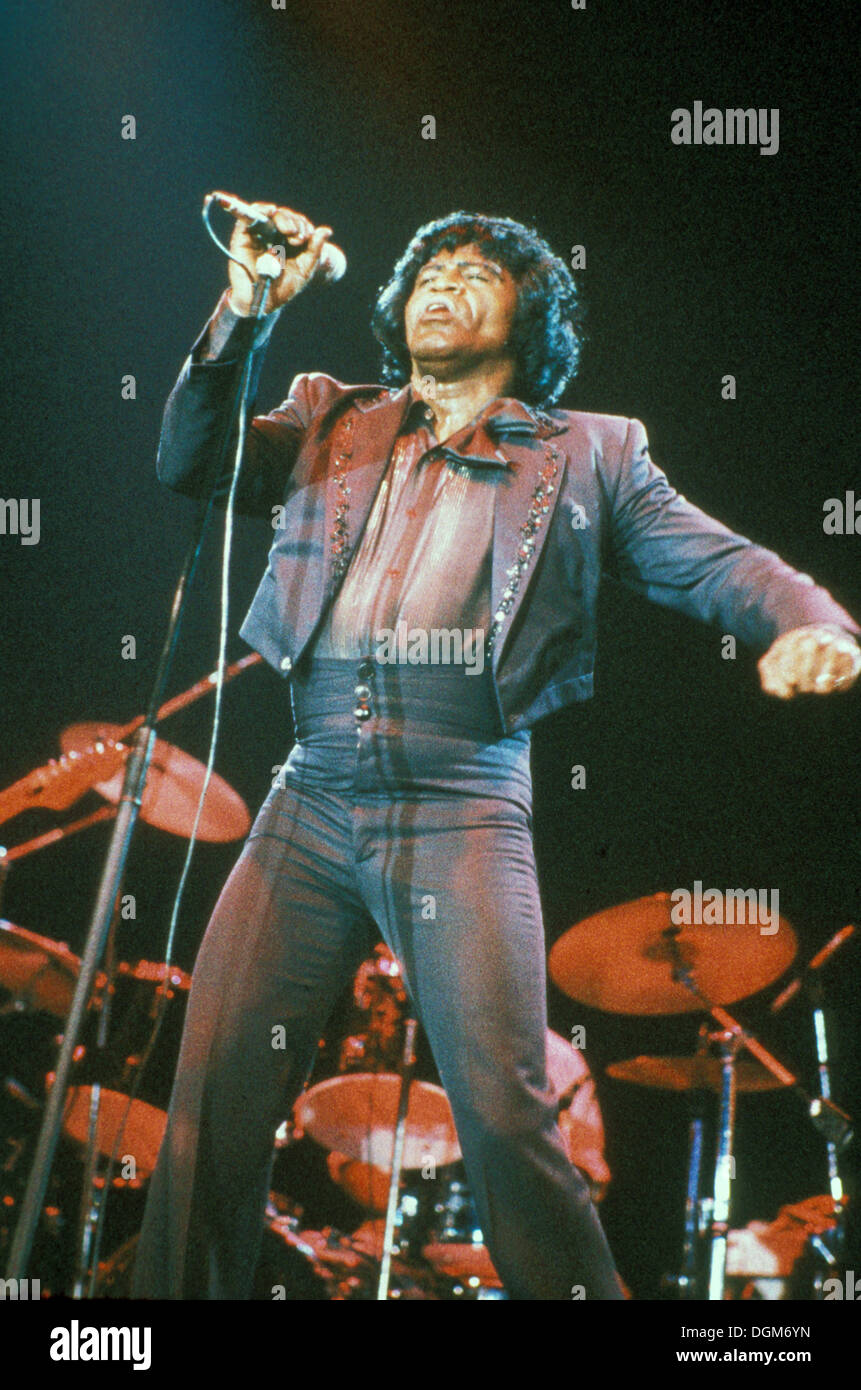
pixel 701 261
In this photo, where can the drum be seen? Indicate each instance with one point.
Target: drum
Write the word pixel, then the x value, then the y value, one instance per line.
pixel 135 1071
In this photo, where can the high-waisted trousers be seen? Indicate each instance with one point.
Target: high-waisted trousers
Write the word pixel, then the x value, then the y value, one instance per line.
pixel 414 826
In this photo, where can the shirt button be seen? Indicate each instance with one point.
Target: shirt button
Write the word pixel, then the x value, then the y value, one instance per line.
pixel 362 692
pixel 286 663
pixel 366 669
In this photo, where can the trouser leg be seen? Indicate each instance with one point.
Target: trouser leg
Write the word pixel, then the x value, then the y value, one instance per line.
pixel 286 935
pixel 453 888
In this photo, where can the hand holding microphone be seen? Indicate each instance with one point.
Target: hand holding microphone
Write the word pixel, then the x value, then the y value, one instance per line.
pixel 303 252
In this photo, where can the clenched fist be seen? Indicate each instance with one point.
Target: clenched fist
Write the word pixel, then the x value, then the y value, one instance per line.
pixel 297 271
pixel 815 659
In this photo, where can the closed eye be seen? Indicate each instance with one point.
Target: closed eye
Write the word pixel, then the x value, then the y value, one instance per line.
pixel 474 272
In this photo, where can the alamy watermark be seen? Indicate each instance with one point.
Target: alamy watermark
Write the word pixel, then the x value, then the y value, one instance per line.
pixel 735 906
pixel 842 515
pixel 734 126
pixel 20 517
pixel 436 646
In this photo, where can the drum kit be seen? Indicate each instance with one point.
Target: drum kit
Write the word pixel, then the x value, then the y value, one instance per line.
pixel 404 1224
pixel 636 959
pixel 115 1111
pixel 415 1198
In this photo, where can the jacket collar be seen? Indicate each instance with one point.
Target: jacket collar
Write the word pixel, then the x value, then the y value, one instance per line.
pixel 504 416
pixel 501 419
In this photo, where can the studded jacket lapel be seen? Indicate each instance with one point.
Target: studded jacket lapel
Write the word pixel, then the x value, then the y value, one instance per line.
pixel 525 502
pixel 362 441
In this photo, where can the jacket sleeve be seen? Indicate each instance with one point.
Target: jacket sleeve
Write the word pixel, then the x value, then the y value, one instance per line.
pixel 191 442
pixel 676 555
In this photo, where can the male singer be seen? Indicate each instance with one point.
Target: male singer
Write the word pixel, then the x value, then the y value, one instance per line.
pixel 454 499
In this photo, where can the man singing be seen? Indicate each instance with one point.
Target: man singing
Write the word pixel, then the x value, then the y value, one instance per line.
pixel 454 500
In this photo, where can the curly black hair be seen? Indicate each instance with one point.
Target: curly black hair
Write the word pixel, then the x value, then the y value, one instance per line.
pixel 547 331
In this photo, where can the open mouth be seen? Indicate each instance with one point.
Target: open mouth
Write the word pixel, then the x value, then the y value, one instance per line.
pixel 437 308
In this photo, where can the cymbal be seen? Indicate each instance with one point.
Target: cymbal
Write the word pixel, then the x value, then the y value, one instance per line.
pixel 619 959
pixel 173 788
pixel 126 1127
pixel 356 1114
pixel 36 970
pixel 684 1073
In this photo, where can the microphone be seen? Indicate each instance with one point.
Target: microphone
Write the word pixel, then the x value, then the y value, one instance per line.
pixel 333 262
pixel 815 964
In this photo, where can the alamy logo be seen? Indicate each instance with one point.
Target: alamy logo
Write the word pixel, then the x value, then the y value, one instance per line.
pixel 19 1289
pixel 735 126
pixel 714 908
pixel 20 516
pixel 76 1343
pixel 436 646
pixel 847 1288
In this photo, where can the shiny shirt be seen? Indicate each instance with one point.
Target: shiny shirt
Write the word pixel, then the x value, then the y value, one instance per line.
pixel 423 560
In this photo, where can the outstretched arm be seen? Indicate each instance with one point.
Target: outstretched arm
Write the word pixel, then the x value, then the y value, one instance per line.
pixel 675 554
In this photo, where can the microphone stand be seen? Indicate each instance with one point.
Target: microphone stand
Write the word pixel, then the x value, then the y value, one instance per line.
pixel 137 766
pixel 408 1062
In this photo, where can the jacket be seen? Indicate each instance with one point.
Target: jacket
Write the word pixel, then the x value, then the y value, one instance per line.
pixel 581 498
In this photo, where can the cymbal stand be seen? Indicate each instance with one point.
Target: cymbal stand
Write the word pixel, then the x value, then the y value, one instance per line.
pixel 724 1167
pixel 684 1284
pixel 828 1118
pixel 837 1134
pixel 408 1063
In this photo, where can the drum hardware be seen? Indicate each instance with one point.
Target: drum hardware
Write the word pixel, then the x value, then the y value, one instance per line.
pixel 686 1282
pixel 698 1075
pixel 659 967
pixel 40 974
pixel 435 1227
pixel 93 756
pixel 406 1075
pixel 731 1037
pixel 454 1242
pixel 116 1118
pixel 834 1124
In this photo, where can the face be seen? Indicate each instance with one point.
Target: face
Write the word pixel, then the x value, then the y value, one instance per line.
pixel 460 312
